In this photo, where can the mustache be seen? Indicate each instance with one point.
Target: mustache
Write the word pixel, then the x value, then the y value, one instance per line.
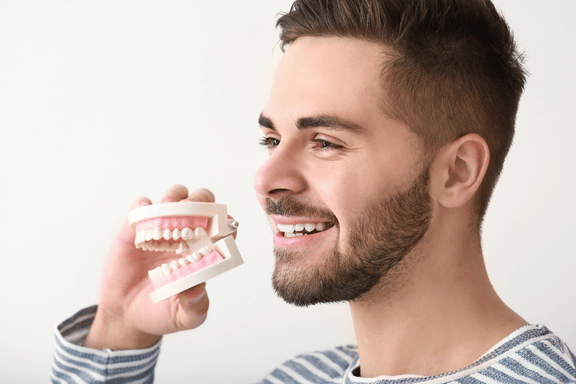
pixel 290 206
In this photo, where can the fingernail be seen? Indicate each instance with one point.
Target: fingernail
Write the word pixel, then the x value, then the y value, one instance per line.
pixel 144 203
pixel 197 298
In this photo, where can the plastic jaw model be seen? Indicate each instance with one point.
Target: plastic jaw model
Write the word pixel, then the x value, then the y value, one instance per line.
pixel 199 234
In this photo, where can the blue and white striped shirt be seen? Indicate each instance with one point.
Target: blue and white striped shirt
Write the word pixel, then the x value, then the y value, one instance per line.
pixel 531 354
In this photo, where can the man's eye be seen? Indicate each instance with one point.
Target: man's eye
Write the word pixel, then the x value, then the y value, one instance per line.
pixel 269 142
pixel 325 144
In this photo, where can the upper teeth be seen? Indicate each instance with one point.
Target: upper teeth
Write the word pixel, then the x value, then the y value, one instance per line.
pixel 308 227
pixel 159 234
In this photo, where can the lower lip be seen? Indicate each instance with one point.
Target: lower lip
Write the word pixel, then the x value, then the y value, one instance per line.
pixel 299 241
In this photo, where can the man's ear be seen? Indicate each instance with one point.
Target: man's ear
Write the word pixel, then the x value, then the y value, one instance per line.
pixel 461 166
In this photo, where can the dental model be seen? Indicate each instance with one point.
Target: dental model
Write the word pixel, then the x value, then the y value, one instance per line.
pixel 199 234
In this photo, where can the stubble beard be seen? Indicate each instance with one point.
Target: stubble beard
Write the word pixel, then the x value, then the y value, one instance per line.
pixel 379 240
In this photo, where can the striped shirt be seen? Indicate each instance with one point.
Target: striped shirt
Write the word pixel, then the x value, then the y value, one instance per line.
pixel 531 354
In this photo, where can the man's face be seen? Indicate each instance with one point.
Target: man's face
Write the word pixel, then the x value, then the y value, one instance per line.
pixel 338 167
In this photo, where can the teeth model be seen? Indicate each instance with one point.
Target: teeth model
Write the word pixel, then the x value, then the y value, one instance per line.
pixel 200 236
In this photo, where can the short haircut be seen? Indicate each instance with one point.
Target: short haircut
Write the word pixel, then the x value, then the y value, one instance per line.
pixel 451 67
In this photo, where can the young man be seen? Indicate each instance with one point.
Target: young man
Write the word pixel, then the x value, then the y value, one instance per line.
pixel 387 126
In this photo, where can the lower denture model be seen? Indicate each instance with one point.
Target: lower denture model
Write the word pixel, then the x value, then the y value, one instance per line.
pixel 200 236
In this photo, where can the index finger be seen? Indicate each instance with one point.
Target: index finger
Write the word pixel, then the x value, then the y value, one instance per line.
pixel 174 193
pixel 203 195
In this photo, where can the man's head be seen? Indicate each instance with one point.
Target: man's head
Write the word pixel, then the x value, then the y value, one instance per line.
pixel 353 125
pixel 449 67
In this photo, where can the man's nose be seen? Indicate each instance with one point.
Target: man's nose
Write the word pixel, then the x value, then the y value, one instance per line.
pixel 281 174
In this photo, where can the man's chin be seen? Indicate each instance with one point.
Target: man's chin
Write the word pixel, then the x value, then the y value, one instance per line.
pixel 301 284
pixel 297 295
pixel 294 282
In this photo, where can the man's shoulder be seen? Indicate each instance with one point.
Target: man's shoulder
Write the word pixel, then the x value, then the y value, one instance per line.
pixel 531 354
pixel 322 366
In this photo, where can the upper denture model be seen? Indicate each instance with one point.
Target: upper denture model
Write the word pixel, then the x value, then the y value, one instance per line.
pixel 200 236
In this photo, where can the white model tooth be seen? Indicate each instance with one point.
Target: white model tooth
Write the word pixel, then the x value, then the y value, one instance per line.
pixel 165 247
pixel 176 234
pixel 309 227
pixel 140 235
pixel 167 235
pixel 157 233
pixel 152 275
pixel 299 227
pixel 199 232
pixel 205 250
pixel 159 273
pixel 194 257
pixel 321 226
pixel 174 265
pixel 174 246
pixel 166 270
pixel 148 234
pixel 187 234
pixel 183 261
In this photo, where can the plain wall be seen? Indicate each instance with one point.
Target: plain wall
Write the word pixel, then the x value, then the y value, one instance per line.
pixel 104 101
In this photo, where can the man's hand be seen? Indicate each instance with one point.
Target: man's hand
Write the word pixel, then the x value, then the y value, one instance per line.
pixel 126 317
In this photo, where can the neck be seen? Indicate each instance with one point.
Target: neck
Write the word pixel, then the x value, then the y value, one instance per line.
pixel 434 314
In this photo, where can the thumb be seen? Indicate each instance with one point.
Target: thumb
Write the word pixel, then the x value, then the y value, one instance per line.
pixel 193 307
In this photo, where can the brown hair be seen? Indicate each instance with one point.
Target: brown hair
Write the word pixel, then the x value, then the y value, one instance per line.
pixel 452 67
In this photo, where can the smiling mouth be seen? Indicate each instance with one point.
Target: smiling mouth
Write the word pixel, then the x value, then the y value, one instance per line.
pixel 304 229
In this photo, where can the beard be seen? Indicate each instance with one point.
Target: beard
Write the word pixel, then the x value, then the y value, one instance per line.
pixel 379 240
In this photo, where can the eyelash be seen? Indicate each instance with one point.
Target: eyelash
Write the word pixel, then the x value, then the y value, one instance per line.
pixel 272 142
pixel 269 142
pixel 327 145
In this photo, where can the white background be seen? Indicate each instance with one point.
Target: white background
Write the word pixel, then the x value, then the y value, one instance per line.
pixel 103 101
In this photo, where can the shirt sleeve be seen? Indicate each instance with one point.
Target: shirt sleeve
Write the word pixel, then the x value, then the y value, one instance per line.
pixel 74 363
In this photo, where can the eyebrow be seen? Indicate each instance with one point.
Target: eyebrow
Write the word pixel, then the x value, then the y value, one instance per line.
pixel 324 121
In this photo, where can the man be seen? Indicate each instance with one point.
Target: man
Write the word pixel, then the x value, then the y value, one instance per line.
pixel 387 127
